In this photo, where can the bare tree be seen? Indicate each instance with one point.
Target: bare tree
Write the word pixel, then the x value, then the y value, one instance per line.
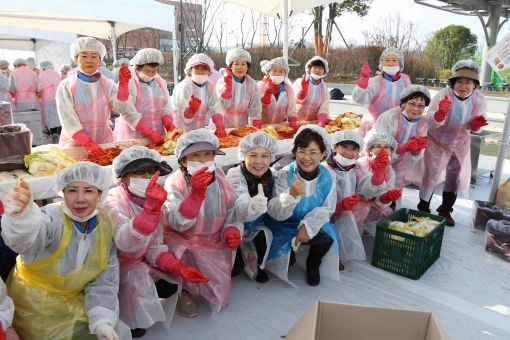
pixel 242 28
pixel 254 25
pixel 393 31
pixel 277 25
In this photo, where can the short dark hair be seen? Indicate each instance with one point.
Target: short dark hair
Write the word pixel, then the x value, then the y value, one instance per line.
pixel 348 142
pixel 305 137
pixel 139 67
pixel 319 63
pixel 415 95
pixel 452 81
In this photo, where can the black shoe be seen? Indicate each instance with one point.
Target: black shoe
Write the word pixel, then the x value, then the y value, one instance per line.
pixel 262 276
pixel 424 206
pixel 292 259
pixel 449 220
pixel 138 332
pixel 313 276
pixel 340 265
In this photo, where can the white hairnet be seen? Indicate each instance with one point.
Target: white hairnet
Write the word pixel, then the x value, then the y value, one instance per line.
pixel 19 61
pixel 381 137
pixel 31 62
pixel 116 63
pixel 466 64
pixel 121 61
pixel 130 154
pixel 3 63
pixel 258 139
pixel 87 172
pixel 395 51
pixel 148 56
pixel 237 53
pixel 415 89
pixel 199 58
pixel 322 60
pixel 321 131
pixel 87 44
pixel 266 65
pixel 195 136
pixel 347 135
pixel 46 64
pixel 65 68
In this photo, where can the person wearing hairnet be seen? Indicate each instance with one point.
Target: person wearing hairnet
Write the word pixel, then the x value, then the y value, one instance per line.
pixel 238 92
pixel 277 95
pixel 64 70
pixel 85 99
pixel 135 207
pixel 195 97
pixel 116 68
pixel 304 198
pixel 352 181
pixel 407 125
pixel 454 112
pixel 150 99
pixel 6 314
pixel 201 213
pixel 253 182
pixel 312 96
pixel 380 149
pixel 381 92
pixel 48 83
pixel 31 64
pixel 23 85
pixel 4 68
pixel 5 94
pixel 66 278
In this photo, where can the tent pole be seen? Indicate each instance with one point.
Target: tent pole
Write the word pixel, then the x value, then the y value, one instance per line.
pixel 174 50
pixel 503 147
pixel 285 17
pixel 113 40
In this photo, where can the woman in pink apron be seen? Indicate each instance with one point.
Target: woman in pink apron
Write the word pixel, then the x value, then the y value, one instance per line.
pixel 5 73
pixel 238 92
pixel 150 98
pixel 407 125
pixel 381 92
pixel 135 206
pixel 6 314
pixel 201 213
pixel 85 99
pixel 312 95
pixel 278 99
pixel 453 113
pixel 48 83
pixel 195 100
pixel 23 86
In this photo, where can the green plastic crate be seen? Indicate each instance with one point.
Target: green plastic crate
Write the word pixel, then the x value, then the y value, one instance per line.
pixel 404 254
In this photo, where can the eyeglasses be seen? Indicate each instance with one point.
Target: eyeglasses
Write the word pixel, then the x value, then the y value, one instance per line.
pixel 312 154
pixel 414 105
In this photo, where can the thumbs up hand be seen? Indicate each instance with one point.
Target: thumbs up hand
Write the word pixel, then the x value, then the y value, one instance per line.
pixel 18 200
pixel 444 107
pixel 258 203
pixel 297 188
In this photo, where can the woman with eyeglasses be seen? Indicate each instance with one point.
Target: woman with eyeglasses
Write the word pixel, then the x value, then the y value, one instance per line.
pixel 407 125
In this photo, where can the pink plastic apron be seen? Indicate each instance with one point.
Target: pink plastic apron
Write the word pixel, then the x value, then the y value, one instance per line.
pixel 309 109
pixel 201 118
pixel 277 111
pixel 48 83
pixel 237 114
pixel 26 86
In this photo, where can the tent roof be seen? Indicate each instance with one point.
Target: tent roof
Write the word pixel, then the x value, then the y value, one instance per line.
pixel 274 7
pixel 87 17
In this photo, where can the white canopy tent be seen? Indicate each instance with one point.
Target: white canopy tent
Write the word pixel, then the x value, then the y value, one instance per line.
pixel 275 8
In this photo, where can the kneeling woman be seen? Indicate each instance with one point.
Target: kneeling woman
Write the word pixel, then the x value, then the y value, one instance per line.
pixel 253 183
pixel 300 211
pixel 66 279
pixel 135 206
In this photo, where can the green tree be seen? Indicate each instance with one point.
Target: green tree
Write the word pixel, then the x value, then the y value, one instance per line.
pixel 450 44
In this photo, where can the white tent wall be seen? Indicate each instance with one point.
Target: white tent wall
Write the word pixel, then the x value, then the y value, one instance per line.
pixel 56 52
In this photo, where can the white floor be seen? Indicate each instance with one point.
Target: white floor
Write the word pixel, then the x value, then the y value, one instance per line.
pixel 467 289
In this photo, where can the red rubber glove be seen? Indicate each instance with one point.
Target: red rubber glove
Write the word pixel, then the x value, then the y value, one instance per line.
pixel 350 202
pixel 305 83
pixel 193 105
pixel 391 196
pixel 168 263
pixel 378 167
pixel 324 120
pixel 364 75
pixel 92 148
pixel 476 123
pixel 444 107
pixel 155 137
pixel 266 98
pixel 257 123
pixel 227 90
pixel 147 220
pixel 124 76
pixel 2 332
pixel 293 122
pixel 1 213
pixel 232 237
pixel 190 207
pixel 412 145
pixel 422 144
pixel 168 122
pixel 220 127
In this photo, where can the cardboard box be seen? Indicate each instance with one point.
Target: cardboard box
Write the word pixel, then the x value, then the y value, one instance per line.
pixel 336 321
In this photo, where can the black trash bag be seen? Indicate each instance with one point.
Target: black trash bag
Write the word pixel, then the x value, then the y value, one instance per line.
pixel 336 94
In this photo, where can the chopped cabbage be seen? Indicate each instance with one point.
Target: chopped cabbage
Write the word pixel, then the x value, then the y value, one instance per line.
pixel 47 160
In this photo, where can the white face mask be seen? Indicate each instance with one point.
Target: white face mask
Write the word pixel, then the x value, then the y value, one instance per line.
pixel 344 161
pixel 277 79
pixel 137 186
pixel 193 167
pixel 199 78
pixel 391 70
pixel 68 212
pixel 145 77
pixel 316 76
pixel 467 96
